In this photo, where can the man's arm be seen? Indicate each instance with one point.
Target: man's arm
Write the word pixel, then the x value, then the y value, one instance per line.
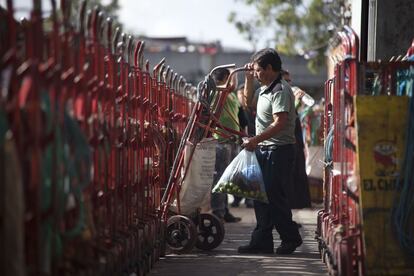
pixel 248 91
pixel 279 122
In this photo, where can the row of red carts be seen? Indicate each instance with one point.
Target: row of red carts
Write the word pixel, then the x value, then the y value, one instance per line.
pixel 91 145
pixel 356 233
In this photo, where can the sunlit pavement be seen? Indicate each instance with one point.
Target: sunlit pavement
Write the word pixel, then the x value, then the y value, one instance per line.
pixel 225 260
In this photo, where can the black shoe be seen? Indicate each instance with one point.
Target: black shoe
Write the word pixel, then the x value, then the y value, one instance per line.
pixel 230 218
pixel 288 247
pixel 248 249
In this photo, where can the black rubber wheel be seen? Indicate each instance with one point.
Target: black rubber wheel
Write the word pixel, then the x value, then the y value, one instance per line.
pixel 181 234
pixel 210 231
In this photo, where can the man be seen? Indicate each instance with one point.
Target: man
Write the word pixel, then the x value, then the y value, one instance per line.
pixel 274 144
pixel 226 150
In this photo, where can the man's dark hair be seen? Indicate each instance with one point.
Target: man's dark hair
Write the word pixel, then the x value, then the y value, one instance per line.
pixel 220 74
pixel 267 56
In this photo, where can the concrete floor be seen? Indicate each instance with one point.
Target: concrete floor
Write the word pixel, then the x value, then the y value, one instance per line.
pixel 225 261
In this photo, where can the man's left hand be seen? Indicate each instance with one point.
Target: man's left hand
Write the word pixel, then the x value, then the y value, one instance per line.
pixel 249 144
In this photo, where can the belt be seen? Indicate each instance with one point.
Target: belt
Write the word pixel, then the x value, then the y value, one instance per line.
pixel 273 147
pixel 268 147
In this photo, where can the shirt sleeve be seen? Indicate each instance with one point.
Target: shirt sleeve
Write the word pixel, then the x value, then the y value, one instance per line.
pixel 280 102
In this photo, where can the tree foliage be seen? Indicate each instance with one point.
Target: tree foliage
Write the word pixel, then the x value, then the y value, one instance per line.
pixel 301 27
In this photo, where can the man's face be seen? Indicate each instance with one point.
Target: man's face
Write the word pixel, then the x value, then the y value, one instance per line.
pixel 261 74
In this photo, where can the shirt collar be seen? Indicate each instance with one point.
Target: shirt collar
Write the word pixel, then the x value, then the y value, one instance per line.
pixel 271 86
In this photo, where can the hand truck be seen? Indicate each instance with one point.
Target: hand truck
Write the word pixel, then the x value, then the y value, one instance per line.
pixel 202 230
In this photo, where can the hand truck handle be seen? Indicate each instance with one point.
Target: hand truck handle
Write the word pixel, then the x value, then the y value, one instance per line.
pixel 228 66
pixel 227 84
pixel 156 69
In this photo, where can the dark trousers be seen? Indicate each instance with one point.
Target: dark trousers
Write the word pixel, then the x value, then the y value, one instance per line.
pixel 276 164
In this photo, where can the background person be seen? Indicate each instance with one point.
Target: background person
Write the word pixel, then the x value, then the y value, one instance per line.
pixel 226 150
pixel 298 195
pixel 246 119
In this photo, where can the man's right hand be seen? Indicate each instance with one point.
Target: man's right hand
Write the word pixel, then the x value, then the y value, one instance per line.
pixel 249 74
pixel 248 84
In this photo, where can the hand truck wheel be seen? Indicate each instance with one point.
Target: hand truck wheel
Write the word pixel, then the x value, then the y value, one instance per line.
pixel 210 231
pixel 181 234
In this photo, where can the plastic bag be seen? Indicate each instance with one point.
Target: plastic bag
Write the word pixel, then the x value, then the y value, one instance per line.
pixel 243 178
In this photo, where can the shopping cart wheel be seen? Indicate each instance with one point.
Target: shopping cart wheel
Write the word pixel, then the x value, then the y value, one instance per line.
pixel 210 231
pixel 181 234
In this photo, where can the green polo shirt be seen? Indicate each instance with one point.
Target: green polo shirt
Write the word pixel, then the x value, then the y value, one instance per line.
pixel 229 116
pixel 278 97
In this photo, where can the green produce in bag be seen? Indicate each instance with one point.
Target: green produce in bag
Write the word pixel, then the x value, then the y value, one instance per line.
pixel 243 177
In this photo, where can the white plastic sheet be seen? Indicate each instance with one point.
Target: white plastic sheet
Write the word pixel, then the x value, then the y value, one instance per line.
pixel 196 187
